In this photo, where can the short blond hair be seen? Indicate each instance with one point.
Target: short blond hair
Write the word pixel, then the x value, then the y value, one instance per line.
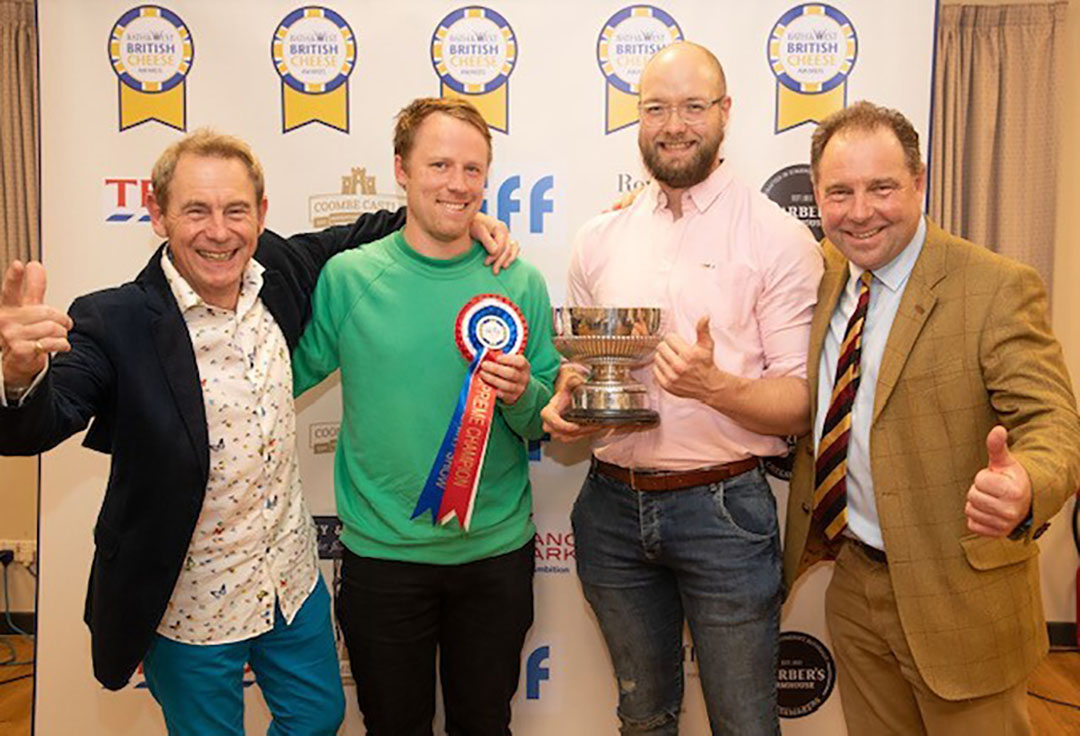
pixel 209 143
pixel 416 112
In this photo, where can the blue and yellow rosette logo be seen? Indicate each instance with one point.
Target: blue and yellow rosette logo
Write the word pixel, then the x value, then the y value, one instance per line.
pixel 474 51
pixel 812 49
pixel 627 41
pixel 314 52
pixel 151 52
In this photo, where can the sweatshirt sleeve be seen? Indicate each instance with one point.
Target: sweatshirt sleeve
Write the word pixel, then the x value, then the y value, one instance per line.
pixel 318 355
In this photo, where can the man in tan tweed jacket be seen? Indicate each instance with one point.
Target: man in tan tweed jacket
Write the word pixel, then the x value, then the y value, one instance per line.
pixel 934 606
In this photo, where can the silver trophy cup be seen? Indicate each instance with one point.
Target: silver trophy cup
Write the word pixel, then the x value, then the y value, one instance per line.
pixel 610 341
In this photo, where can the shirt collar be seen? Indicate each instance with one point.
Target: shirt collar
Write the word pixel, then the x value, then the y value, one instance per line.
pixel 702 195
pixel 895 273
pixel 187 298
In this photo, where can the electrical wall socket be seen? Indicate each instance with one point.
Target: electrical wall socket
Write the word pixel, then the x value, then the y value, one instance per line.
pixel 25 550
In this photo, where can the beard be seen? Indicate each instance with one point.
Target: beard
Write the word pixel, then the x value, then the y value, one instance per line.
pixel 683 174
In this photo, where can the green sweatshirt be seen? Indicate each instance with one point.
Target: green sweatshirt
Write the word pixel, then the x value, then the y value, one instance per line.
pixel 385 316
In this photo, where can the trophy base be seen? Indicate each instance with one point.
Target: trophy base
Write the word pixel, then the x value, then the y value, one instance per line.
pixel 613 417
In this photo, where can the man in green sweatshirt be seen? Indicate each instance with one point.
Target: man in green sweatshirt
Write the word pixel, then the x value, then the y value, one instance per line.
pixel 428 340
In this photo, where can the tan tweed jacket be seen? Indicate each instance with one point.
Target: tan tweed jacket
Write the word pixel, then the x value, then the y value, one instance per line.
pixel 970 347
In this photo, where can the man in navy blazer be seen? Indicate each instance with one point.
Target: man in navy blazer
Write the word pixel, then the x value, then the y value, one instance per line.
pixel 142 364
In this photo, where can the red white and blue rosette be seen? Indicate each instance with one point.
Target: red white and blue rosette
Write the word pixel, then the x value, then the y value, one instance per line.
pixel 487 325
pixel 490 322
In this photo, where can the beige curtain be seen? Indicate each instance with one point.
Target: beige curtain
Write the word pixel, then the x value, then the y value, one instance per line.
pixel 993 167
pixel 18 132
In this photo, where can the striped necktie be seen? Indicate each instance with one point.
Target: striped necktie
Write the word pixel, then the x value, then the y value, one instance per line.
pixel 830 488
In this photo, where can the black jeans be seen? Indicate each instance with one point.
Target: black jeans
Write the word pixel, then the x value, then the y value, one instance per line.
pixel 395 614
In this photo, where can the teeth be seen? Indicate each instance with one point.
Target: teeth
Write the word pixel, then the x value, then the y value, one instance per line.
pixel 213 255
pixel 459 206
pixel 866 235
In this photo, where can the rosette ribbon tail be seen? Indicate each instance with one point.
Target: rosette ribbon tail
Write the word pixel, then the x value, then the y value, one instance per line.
pixel 463 477
pixel 431 497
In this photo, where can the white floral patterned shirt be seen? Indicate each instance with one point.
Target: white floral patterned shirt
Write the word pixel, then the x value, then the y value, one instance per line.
pixel 254 543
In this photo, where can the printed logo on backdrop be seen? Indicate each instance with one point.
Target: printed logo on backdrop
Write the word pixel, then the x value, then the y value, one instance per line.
pixel 690 661
pixel 554 549
pixel 347 679
pixel 542 687
pixel 780 466
pixel 359 194
pixel 627 182
pixel 474 51
pixel 328 542
pixel 806 675
pixel 792 189
pixel 323 436
pixel 314 52
pixel 123 199
pixel 151 52
pixel 513 193
pixel 328 537
pixel 626 42
pixel 812 50
pixel 537 671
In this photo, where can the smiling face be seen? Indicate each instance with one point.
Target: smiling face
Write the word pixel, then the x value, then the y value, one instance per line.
pixel 443 175
pixel 212 222
pixel 677 154
pixel 870 200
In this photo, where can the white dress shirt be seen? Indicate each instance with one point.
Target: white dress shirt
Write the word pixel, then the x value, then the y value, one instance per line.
pixel 886 290
pixel 254 543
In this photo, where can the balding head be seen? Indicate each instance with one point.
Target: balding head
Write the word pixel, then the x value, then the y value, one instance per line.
pixel 684 60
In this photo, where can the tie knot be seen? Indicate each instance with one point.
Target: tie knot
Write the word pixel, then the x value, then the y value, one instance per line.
pixel 866 278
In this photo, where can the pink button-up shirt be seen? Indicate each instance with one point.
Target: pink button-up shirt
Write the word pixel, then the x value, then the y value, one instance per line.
pixel 735 256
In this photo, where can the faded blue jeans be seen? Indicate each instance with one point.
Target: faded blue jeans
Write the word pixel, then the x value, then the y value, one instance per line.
pixel 710 553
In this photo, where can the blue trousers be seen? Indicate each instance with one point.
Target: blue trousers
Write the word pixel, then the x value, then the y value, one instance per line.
pixel 709 555
pixel 200 688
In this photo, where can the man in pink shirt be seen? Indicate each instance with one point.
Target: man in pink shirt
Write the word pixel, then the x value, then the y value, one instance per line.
pixel 692 532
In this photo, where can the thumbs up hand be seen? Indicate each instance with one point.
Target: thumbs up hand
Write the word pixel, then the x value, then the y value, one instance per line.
pixel 1000 497
pixel 29 330
pixel 688 370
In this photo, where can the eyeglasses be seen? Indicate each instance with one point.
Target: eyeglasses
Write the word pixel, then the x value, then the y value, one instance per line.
pixel 691 112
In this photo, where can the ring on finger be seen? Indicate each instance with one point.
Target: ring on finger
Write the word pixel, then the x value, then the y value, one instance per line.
pixel 38 348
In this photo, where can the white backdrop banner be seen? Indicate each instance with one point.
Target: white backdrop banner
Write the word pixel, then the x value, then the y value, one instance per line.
pixel 315 88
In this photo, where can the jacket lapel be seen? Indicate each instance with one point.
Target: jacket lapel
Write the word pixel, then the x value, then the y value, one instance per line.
pixel 915 307
pixel 173 346
pixel 274 295
pixel 829 291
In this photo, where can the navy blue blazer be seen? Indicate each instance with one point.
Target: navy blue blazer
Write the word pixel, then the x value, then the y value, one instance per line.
pixel 131 374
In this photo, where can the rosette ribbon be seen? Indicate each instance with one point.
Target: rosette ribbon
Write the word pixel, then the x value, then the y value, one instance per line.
pixel 487 325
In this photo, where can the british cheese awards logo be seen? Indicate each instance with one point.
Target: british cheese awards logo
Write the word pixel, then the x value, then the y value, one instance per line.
pixel 627 41
pixel 151 53
pixel 812 50
pixel 474 51
pixel 314 52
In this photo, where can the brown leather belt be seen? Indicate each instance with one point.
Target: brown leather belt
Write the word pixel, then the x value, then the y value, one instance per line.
pixel 872 553
pixel 673 480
